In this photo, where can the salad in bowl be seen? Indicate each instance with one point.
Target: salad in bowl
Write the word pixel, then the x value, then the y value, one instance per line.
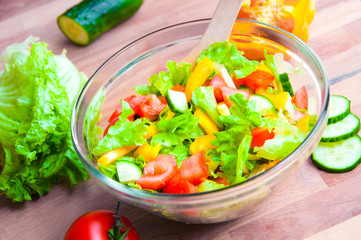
pixel 205 143
pixel 205 127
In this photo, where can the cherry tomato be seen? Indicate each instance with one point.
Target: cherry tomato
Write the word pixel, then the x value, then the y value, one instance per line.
pixel 95 226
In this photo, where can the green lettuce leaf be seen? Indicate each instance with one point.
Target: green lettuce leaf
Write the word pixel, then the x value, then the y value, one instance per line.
pixel 160 83
pixel 203 98
pixel 287 139
pixel 180 152
pixel 244 109
pixel 177 129
pixel 36 149
pixel 209 185
pixel 123 132
pixel 227 54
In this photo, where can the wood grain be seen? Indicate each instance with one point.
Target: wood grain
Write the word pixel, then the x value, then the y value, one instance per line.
pixel 311 205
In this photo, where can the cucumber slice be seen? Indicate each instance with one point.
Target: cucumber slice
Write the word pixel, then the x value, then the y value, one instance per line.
pixel 89 19
pixel 128 171
pixel 341 130
pixel 177 101
pixel 286 84
pixel 338 157
pixel 339 108
pixel 263 105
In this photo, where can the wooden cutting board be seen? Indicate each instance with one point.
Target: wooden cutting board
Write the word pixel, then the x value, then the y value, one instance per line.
pixel 311 205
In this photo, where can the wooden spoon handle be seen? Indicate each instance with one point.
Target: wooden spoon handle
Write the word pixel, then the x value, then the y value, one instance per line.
pixel 218 29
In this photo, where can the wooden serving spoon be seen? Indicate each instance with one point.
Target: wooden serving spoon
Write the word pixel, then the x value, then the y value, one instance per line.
pixel 219 29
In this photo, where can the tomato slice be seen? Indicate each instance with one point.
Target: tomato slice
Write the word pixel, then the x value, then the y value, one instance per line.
pixel 228 91
pixel 158 173
pixel 260 135
pixel 183 187
pixel 300 99
pixel 194 169
pixel 258 78
pixel 215 83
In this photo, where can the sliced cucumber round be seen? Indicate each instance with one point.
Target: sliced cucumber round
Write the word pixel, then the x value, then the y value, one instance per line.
pixel 128 171
pixel 263 105
pixel 339 108
pixel 341 130
pixel 286 84
pixel 338 157
pixel 177 101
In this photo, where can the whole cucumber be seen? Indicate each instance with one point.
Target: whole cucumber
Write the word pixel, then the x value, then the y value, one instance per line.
pixel 89 19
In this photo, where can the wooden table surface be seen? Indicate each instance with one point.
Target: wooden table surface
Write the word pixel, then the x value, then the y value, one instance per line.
pixel 312 204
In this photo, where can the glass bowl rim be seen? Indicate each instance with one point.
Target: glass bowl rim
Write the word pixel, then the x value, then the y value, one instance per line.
pixel 240 187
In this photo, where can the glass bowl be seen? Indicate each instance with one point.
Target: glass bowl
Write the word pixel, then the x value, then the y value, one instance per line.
pixel 134 63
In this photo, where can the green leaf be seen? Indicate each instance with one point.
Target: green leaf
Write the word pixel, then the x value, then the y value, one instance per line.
pixel 160 83
pixel 203 98
pixel 244 109
pixel 35 104
pixel 228 55
pixel 123 132
pixel 177 129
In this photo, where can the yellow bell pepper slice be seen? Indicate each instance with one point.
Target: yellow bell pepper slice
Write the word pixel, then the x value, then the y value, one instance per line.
pixel 200 74
pixel 206 123
pixel 116 153
pixel 202 143
pixel 148 151
pixel 279 100
pixel 302 124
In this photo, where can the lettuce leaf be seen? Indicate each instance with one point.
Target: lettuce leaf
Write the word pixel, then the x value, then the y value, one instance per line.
pixel 287 139
pixel 123 132
pixel 180 152
pixel 203 98
pixel 228 55
pixel 174 131
pixel 36 149
pixel 160 83
pixel 245 109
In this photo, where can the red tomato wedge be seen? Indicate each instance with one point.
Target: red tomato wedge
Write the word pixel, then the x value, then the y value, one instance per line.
pixel 183 187
pixel 260 135
pixel 257 79
pixel 158 173
pixel 143 106
pixel 228 91
pixel 215 83
pixel 300 99
pixel 150 106
pixel 179 88
pixel 194 169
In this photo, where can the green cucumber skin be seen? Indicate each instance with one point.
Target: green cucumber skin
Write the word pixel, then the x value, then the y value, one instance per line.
pixel 344 136
pixel 341 116
pixel 99 16
pixel 286 84
pixel 322 167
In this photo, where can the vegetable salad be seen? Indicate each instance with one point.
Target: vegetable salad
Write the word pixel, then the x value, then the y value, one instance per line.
pixel 205 127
